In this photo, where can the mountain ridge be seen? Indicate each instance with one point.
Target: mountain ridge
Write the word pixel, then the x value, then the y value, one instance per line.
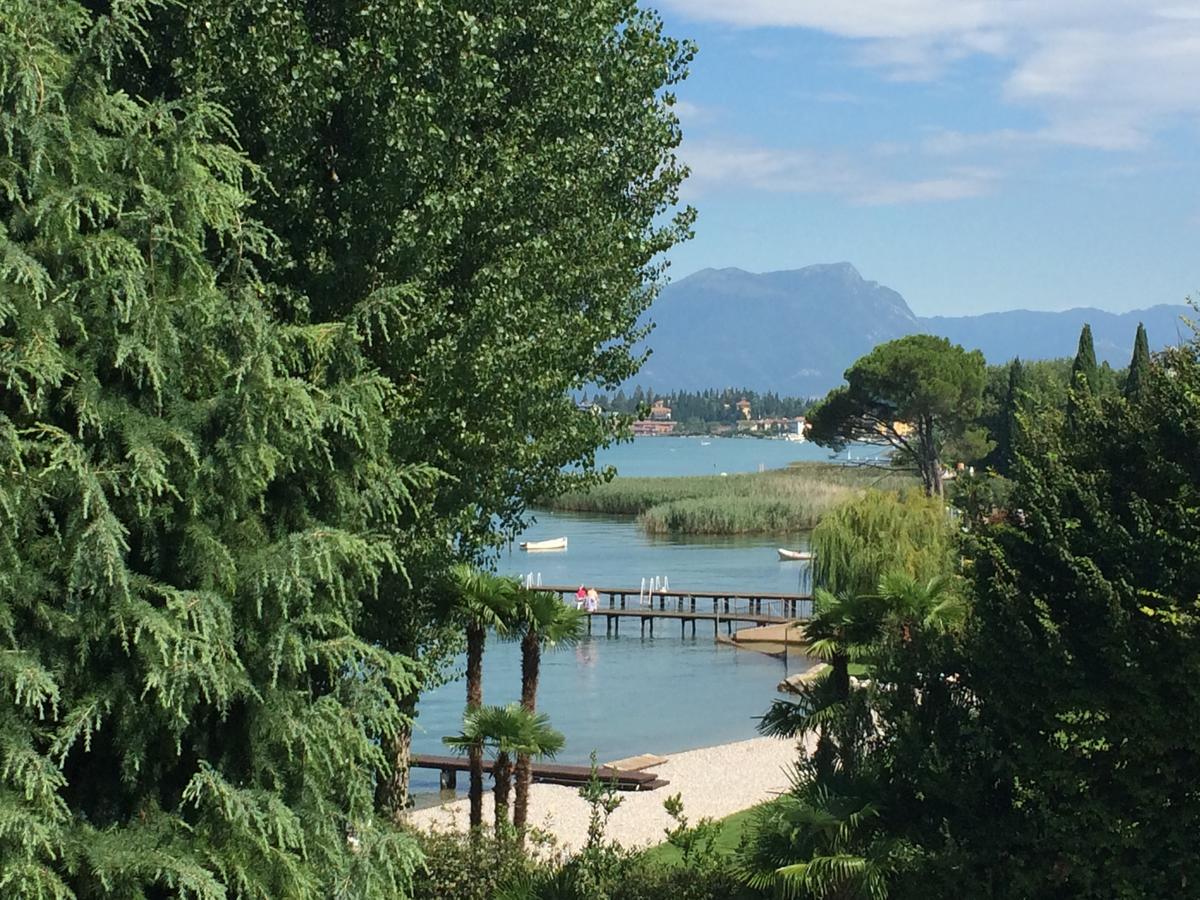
pixel 796 330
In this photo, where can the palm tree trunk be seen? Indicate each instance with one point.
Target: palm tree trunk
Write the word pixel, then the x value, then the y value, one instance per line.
pixel 502 774
pixel 840 676
pixel 475 638
pixel 531 654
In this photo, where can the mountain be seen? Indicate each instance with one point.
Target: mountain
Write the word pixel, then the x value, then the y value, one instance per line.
pixel 797 331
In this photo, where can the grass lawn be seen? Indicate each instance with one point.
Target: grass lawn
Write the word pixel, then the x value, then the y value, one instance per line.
pixel 732 828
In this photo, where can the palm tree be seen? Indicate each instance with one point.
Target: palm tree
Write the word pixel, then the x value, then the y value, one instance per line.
pixel 921 607
pixel 506 731
pixel 543 621
pixel 831 832
pixel 845 627
pixel 484 601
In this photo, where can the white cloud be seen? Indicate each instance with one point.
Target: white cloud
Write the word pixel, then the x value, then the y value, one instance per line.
pixel 771 170
pixel 1103 73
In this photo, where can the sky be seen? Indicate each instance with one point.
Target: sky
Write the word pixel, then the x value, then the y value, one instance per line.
pixel 974 155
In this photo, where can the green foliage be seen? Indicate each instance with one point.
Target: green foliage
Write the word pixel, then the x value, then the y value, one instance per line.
pixel 780 501
pixel 507 729
pixel 696 843
pixel 917 394
pixel 473 867
pixel 816 843
pixel 861 541
pixel 1138 379
pixel 1095 586
pixel 698 409
pixel 495 223
pixel 193 501
pixel 1085 374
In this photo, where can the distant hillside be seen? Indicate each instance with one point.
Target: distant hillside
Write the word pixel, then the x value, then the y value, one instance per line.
pixel 797 331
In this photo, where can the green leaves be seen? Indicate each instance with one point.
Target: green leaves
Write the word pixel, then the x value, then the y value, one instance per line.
pixel 194 502
pixel 914 394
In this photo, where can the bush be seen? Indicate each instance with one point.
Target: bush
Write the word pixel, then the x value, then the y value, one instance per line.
pixel 459 868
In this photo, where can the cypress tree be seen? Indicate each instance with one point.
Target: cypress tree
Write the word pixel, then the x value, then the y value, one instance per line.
pixel 1085 374
pixel 1139 367
pixel 1007 426
pixel 193 498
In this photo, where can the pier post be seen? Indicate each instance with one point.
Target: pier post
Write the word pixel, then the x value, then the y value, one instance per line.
pixel 643 626
pixel 682 627
pixel 448 780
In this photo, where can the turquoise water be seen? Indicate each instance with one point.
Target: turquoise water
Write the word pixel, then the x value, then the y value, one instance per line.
pixel 612 552
pixel 627 695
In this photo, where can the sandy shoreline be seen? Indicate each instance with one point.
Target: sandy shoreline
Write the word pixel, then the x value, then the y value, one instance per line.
pixel 714 781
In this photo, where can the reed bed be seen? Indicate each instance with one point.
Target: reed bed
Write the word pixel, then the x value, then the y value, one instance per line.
pixel 779 501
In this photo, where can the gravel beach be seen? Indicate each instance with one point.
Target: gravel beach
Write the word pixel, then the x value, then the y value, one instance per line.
pixel 714 781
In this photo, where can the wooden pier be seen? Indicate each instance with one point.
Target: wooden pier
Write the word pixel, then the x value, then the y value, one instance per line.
pixel 547 773
pixel 717 607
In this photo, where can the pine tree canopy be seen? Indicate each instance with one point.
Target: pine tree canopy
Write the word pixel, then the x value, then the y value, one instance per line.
pixel 194 500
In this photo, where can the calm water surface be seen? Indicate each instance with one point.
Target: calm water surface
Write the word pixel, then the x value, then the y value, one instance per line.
pixel 627 695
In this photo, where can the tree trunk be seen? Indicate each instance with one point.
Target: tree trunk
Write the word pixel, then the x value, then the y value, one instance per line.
pixel 475 638
pixel 840 676
pixel 531 654
pixel 929 463
pixel 501 773
pixel 393 784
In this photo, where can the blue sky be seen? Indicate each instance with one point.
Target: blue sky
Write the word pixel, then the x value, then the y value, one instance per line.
pixel 974 155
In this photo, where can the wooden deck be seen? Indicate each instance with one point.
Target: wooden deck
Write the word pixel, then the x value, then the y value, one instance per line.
pixel 717 607
pixel 547 773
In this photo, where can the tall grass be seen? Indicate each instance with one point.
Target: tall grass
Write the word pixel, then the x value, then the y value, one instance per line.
pixel 775 502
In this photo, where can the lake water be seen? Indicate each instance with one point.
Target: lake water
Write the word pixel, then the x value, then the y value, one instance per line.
pixel 626 695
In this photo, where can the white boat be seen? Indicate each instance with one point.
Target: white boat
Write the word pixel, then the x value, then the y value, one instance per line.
pixel 551 544
pixel 794 554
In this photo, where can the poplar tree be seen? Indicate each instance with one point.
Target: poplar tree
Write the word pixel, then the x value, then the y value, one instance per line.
pixel 487 187
pixel 194 499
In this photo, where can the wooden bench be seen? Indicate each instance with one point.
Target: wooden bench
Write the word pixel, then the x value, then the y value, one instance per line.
pixel 547 773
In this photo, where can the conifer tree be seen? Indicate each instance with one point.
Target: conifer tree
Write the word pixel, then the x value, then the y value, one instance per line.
pixel 1139 366
pixel 1084 371
pixel 1007 426
pixel 193 501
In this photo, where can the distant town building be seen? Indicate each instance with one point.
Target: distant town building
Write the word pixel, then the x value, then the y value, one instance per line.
pixel 660 412
pixel 651 427
pixel 743 406
pixel 791 428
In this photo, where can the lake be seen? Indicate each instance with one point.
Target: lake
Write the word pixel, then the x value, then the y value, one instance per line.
pixel 626 695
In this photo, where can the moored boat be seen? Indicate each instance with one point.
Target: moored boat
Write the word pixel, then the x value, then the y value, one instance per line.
pixel 551 544
pixel 794 554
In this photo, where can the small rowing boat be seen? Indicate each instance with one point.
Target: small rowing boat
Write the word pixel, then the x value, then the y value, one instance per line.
pixel 551 544
pixel 794 554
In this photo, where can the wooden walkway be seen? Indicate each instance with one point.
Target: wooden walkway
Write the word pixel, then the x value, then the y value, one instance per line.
pixel 718 607
pixel 546 773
